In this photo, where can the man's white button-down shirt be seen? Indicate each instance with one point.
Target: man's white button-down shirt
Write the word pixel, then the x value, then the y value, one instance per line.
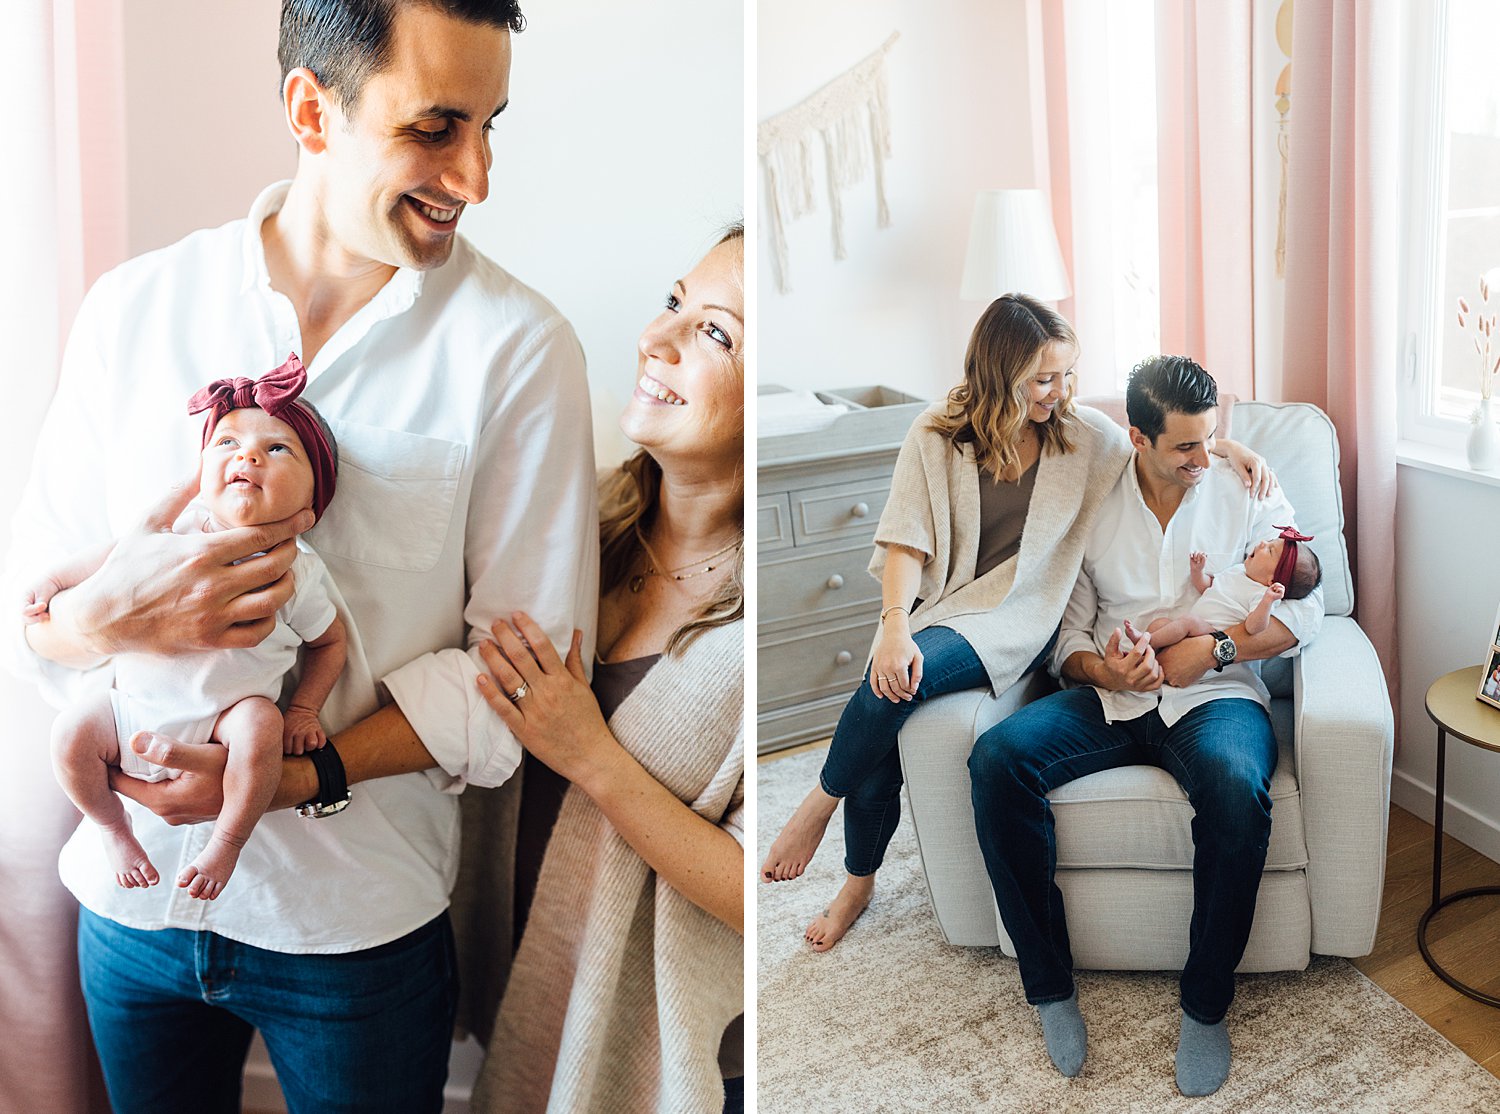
pixel 465 492
pixel 1133 569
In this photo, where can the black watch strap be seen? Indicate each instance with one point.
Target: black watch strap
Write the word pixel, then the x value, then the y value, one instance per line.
pixel 333 784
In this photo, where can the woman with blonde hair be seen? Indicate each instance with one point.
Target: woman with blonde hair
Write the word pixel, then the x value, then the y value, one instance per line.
pixel 977 552
pixel 628 983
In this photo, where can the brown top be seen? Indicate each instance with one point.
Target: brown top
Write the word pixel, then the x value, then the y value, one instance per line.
pixel 1002 514
pixel 1454 705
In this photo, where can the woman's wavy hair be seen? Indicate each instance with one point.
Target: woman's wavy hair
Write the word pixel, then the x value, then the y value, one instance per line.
pixel 989 408
pixel 627 501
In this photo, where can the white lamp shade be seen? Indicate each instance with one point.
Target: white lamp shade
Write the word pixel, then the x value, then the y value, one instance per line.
pixel 1013 248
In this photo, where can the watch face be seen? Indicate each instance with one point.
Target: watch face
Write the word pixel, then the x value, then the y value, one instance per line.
pixel 1224 650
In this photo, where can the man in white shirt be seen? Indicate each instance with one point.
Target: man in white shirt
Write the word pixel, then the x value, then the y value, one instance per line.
pixel 466 492
pixel 1199 712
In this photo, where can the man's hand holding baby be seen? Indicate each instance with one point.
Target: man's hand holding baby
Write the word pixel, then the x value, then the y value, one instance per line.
pixel 160 592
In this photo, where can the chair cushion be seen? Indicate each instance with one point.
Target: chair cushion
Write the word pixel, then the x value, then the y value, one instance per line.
pixel 1139 817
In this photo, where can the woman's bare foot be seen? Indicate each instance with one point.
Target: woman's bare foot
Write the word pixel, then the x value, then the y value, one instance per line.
pixel 207 875
pixel 794 847
pixel 843 911
pixel 126 855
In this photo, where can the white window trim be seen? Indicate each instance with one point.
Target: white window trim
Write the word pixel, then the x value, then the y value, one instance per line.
pixel 1423 245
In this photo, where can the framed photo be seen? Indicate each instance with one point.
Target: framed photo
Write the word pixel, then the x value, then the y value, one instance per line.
pixel 1489 677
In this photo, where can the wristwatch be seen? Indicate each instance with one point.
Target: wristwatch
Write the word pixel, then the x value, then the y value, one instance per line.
pixel 333 784
pixel 1225 650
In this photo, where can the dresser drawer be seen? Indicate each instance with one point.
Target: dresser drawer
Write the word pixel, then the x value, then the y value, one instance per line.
pixel 811 587
pixel 821 514
pixel 773 523
pixel 805 666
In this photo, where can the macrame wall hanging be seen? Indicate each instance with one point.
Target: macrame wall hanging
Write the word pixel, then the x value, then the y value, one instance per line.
pixel 1283 129
pixel 852 118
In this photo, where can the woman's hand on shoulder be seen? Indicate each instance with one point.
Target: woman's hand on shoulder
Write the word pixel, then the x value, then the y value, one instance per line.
pixel 1257 475
pixel 545 701
pixel 896 668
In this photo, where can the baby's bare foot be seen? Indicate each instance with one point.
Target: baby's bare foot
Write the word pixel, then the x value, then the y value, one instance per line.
pixel 131 864
pixel 794 847
pixel 207 875
pixel 843 911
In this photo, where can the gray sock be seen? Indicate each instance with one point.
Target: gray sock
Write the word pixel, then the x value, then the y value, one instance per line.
pixel 1063 1030
pixel 1202 1057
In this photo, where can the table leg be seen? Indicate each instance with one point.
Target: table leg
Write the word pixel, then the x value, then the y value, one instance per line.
pixel 1438 901
pixel 1437 819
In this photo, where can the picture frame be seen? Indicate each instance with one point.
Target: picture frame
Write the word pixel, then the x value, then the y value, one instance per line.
pixel 1489 673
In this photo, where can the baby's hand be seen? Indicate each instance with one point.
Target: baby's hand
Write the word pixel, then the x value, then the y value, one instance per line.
pixel 301 731
pixel 1276 590
pixel 1197 559
pixel 36 600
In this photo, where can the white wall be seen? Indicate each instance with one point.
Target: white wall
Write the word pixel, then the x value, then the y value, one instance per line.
pixel 1447 590
pixel 618 160
pixel 960 122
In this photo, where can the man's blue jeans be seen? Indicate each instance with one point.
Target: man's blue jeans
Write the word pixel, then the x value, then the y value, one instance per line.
pixel 863 765
pixel 1222 754
pixel 173 1012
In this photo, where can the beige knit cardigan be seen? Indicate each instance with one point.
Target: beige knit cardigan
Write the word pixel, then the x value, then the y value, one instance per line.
pixel 622 988
pixel 1008 614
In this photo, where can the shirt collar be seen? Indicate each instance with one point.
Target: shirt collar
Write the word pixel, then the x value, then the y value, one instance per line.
pixel 1189 496
pixel 396 295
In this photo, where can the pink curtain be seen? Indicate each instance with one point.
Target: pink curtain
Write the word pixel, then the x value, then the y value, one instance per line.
pixel 61 71
pixel 1341 268
pixel 1204 186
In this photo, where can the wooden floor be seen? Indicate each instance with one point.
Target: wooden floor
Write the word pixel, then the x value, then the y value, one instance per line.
pixel 1464 938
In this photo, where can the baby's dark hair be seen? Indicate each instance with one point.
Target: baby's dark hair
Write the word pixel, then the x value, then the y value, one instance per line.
pixel 1307 574
pixel 333 443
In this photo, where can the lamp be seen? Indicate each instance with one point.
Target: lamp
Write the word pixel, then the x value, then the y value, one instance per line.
pixel 1013 248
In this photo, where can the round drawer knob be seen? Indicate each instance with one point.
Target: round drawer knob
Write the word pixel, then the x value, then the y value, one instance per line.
pixel 844 657
pixel 859 510
pixel 835 582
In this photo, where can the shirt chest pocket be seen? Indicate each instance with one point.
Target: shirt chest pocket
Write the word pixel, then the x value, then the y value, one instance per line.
pixel 394 502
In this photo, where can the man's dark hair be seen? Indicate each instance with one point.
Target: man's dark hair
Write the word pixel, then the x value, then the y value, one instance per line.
pixel 346 42
pixel 1164 385
pixel 1307 574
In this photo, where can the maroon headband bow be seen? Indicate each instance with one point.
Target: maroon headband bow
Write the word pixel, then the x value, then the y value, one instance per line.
pixel 275 393
pixel 1288 560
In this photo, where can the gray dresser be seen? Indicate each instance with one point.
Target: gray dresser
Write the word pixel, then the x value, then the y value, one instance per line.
pixel 819 501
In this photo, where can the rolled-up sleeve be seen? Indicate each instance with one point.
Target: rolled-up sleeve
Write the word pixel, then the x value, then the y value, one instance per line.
pixel 531 544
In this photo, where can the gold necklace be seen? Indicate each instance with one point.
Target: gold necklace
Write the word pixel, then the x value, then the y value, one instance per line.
pixel 638 581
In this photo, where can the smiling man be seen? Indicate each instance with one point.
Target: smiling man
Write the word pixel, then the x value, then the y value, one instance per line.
pixel 467 492
pixel 1200 713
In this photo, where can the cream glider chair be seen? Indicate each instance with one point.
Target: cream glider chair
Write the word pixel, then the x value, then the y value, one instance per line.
pixel 1124 841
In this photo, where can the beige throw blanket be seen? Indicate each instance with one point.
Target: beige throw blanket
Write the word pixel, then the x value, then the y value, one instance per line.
pixel 622 988
pixel 1008 614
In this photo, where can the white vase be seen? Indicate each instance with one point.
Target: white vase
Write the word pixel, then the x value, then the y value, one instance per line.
pixel 1484 440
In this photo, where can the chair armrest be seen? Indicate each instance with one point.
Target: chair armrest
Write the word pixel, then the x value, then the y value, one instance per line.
pixel 935 744
pixel 1345 734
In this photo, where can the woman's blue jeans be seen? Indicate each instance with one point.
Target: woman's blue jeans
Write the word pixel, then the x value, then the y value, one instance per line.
pixel 863 765
pixel 173 1011
pixel 1222 754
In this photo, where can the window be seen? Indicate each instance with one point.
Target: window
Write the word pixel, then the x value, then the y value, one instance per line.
pixel 1453 237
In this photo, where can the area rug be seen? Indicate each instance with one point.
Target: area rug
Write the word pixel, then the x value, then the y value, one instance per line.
pixel 894 1019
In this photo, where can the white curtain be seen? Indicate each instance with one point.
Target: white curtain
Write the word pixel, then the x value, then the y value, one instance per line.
pixel 59 78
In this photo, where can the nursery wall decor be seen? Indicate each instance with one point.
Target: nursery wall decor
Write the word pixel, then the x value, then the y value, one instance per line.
pixel 851 116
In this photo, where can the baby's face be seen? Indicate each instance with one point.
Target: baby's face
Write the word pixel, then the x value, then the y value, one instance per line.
pixel 255 470
pixel 1260 565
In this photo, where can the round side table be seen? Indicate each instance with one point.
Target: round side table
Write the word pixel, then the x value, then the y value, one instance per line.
pixel 1452 705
